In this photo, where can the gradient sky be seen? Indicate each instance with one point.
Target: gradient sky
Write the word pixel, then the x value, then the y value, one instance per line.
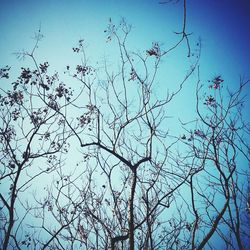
pixel 222 25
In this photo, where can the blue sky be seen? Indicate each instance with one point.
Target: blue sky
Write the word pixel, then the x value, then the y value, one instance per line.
pixel 222 25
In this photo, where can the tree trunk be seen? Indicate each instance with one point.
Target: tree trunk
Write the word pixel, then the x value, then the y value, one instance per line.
pixel 131 213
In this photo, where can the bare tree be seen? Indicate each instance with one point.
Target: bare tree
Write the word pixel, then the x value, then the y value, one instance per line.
pixel 220 155
pixel 33 137
pixel 136 185
pixel 130 176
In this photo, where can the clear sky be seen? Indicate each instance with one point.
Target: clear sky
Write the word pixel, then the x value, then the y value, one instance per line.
pixel 222 25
